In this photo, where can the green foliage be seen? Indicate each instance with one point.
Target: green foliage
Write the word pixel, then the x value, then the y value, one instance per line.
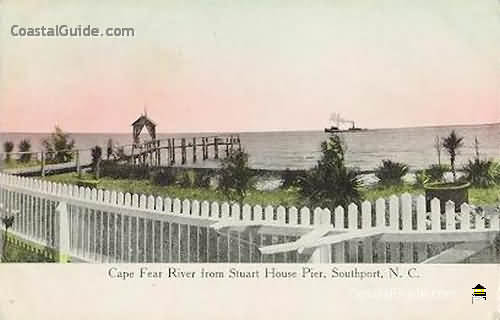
pixel 88 183
pixel 25 146
pixel 436 172
pixel 186 178
pixel 166 176
pixel 8 146
pixel 19 252
pixel 289 197
pixel 451 144
pixel 109 149
pixel 495 172
pixel 109 168
pixel 391 172
pixel 8 221
pixel 421 178
pixel 96 154
pixel 480 173
pixel 58 147
pixel 235 178
pixel 202 178
pixel 292 178
pixel 163 176
pixel 330 183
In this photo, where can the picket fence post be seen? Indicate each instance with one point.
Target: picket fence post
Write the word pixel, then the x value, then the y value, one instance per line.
pixel 321 254
pixel 63 233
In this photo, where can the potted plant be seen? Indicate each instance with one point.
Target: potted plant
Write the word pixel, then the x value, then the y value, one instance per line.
pixel 456 191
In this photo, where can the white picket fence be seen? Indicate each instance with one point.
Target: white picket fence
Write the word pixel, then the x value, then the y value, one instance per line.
pixel 107 226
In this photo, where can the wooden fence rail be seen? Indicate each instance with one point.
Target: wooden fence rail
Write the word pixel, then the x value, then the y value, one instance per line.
pixel 107 226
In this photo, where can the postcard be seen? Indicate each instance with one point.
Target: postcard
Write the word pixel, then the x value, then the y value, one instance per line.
pixel 249 159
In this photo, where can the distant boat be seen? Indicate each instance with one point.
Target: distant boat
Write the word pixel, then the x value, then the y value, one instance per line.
pixel 337 119
pixel 332 129
pixel 335 129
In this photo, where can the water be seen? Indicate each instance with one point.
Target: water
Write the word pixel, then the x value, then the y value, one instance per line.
pixel 301 149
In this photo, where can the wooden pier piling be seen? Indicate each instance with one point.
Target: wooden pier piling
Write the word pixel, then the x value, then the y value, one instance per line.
pixel 194 150
pixel 42 166
pixel 173 151
pixel 216 148
pixel 150 153
pixel 183 151
pixel 204 148
pixel 158 154
pixel 77 160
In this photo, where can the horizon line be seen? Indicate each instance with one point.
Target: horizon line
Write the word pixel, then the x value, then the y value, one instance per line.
pixel 261 131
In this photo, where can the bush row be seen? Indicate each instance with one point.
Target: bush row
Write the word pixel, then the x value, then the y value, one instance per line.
pixel 163 176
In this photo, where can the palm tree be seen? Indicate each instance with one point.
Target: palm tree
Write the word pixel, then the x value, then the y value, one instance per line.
pixel 8 146
pixel 25 146
pixel 451 144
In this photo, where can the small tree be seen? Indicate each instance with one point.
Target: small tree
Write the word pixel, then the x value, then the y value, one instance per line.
pixel 58 147
pixel 8 146
pixel 330 183
pixel 96 154
pixel 25 146
pixel 391 172
pixel 236 178
pixel 109 149
pixel 451 144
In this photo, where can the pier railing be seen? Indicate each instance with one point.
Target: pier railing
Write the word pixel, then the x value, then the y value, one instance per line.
pixel 84 224
pixel 154 153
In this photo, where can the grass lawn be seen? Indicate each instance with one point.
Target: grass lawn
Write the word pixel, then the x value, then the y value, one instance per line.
pixel 16 253
pixel 16 164
pixel 284 197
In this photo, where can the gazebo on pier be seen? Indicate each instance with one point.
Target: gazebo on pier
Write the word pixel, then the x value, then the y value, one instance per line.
pixel 139 124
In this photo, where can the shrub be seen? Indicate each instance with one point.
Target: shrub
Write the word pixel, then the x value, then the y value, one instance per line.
pixel 109 149
pixel 479 172
pixel 436 172
pixel 495 171
pixel 186 178
pixel 330 183
pixel 25 146
pixel 123 171
pixel 202 179
pixel 8 146
pixel 391 172
pixel 451 144
pixel 88 183
pixel 58 147
pixel 96 154
pixel 291 178
pixel 236 178
pixel 163 176
pixel 421 178
pixel 8 222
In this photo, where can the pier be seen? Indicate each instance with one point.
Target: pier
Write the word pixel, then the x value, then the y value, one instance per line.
pixel 170 151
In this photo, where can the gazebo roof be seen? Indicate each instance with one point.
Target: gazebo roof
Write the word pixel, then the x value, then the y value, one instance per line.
pixel 143 119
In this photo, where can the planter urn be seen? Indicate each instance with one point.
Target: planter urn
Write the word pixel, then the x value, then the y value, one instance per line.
pixel 456 192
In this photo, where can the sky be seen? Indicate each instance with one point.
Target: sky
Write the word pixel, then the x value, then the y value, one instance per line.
pixel 215 65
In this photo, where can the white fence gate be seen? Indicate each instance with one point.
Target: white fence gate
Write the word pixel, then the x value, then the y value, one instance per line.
pixel 107 226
